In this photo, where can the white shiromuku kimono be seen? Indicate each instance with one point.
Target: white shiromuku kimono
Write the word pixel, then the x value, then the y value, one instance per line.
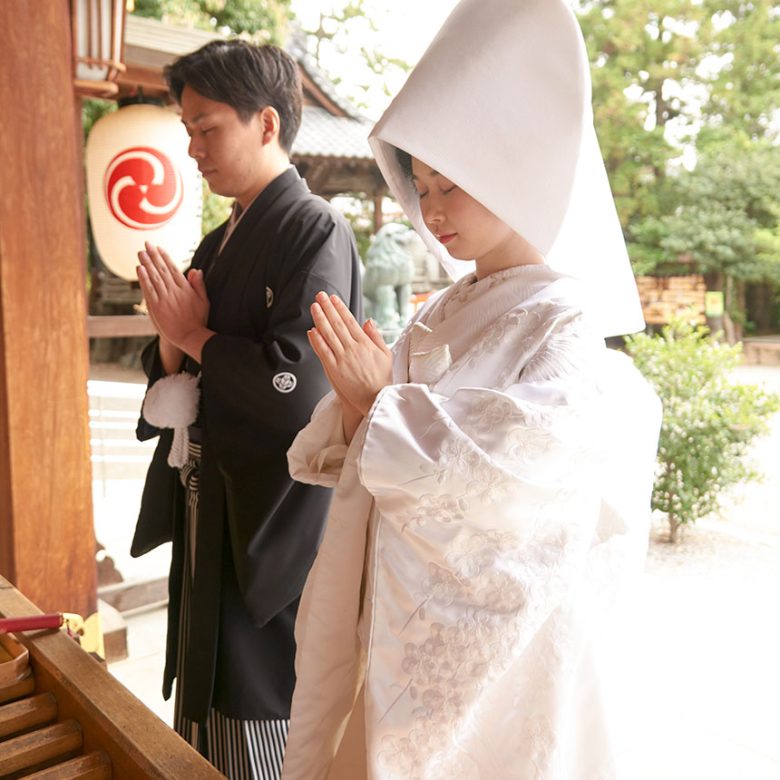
pixel 497 493
pixel 486 507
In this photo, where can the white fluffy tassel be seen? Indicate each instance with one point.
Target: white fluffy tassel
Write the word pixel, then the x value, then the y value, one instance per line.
pixel 172 402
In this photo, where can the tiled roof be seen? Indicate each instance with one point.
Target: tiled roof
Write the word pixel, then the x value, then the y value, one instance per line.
pixel 325 135
pixel 296 48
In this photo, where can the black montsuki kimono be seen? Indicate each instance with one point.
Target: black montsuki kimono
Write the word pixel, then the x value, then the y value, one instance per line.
pixel 258 530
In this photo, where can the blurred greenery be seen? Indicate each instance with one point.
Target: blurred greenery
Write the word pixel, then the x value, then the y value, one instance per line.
pixel 264 21
pixel 347 26
pixel 92 110
pixel 686 98
pixel 216 209
pixel 709 421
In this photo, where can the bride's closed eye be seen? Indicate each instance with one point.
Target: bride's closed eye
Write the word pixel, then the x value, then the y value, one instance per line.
pixel 443 191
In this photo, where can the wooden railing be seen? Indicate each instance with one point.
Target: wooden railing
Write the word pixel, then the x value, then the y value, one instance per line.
pixel 62 715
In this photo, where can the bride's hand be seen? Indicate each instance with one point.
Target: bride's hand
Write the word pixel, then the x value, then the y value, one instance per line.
pixel 356 360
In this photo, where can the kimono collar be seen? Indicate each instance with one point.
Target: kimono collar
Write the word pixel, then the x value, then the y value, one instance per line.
pixel 500 105
pixel 273 190
pixel 260 202
pixel 472 310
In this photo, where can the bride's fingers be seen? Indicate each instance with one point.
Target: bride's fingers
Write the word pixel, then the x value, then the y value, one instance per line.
pixel 321 349
pixel 326 331
pixel 347 317
pixel 335 318
pixel 372 331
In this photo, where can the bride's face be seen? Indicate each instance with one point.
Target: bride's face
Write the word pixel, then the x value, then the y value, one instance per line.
pixel 463 225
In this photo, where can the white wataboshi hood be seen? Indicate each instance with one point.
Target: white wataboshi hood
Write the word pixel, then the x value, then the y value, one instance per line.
pixel 500 105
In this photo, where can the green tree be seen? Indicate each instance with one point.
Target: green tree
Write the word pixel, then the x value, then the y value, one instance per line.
pixel 744 90
pixel 341 24
pixel 724 224
pixel 709 421
pixel 216 209
pixel 92 110
pixel 264 20
pixel 700 76
pixel 643 53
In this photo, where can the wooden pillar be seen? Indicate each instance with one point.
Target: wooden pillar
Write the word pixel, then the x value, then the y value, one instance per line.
pixel 379 217
pixel 47 545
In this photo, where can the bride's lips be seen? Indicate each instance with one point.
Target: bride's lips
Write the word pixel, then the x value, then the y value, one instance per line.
pixel 445 239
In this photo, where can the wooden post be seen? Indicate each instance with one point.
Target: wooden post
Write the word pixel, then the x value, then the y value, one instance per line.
pixel 47 544
pixel 379 217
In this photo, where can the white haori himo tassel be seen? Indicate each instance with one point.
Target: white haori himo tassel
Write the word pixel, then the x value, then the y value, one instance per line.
pixel 172 402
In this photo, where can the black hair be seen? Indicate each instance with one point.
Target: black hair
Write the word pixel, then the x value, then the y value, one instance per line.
pixel 405 161
pixel 246 77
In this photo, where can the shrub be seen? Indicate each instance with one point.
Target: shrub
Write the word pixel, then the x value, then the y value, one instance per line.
pixel 709 420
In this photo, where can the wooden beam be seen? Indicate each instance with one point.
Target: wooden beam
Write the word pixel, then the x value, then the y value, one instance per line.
pixel 317 176
pixel 109 326
pixel 149 79
pixel 47 544
pixel 313 94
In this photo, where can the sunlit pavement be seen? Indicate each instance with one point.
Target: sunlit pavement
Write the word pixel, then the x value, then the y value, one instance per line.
pixel 119 464
pixel 699 690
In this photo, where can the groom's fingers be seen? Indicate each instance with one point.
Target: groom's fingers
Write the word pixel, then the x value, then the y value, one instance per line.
pixel 171 268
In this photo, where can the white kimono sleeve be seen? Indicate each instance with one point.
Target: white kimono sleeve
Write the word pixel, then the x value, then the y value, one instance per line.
pixel 317 454
pixel 503 486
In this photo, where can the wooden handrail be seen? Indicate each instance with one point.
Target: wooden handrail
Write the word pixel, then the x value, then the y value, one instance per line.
pixel 139 745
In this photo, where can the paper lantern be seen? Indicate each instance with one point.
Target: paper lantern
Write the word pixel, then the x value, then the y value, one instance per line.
pixel 142 186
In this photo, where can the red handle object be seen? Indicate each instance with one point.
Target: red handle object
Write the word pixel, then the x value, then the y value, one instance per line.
pixel 30 622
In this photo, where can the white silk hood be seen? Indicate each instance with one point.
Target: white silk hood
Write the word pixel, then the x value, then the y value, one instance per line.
pixel 500 104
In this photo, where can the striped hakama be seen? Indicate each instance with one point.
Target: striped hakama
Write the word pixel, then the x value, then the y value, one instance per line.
pixel 240 749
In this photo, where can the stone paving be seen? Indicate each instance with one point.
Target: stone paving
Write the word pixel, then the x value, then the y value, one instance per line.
pixel 700 698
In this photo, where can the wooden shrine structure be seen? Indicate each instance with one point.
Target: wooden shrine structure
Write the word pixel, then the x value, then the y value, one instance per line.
pixel 64 717
pixel 47 541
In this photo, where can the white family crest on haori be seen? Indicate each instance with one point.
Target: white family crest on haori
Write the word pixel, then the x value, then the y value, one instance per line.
pixel 496 496
pixel 285 382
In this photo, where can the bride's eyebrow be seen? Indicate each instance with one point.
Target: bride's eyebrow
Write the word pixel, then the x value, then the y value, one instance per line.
pixel 415 177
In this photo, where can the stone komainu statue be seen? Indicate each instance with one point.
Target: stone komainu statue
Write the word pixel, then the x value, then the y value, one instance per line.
pixel 389 271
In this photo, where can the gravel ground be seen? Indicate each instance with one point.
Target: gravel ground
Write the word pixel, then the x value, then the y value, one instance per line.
pixel 705 685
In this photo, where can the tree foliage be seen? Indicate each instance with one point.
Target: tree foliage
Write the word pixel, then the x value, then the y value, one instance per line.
pixel 709 421
pixel 642 52
pixel 694 82
pixel 346 28
pixel 264 21
pixel 744 93
pixel 727 216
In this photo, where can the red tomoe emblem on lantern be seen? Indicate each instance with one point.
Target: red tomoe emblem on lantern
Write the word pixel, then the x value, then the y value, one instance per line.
pixel 143 188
